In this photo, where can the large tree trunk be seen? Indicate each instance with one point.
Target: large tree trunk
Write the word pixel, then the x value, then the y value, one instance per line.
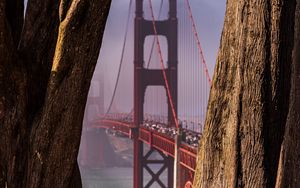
pixel 45 73
pixel 289 166
pixel 249 99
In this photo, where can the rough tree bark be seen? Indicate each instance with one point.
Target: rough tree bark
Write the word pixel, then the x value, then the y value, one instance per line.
pixel 46 65
pixel 247 118
pixel 289 165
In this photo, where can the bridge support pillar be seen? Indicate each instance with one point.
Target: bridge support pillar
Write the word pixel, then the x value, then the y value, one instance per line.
pixel 137 160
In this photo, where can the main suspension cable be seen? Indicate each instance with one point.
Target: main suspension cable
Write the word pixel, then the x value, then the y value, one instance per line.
pixel 121 60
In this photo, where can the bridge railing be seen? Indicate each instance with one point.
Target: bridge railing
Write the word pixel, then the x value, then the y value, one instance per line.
pixel 167 146
pixel 158 140
pixel 188 157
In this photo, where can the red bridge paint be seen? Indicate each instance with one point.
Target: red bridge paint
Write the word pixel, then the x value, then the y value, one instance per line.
pixel 160 142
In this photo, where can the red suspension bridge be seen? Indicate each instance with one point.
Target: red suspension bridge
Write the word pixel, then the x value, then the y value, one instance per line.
pixel 170 87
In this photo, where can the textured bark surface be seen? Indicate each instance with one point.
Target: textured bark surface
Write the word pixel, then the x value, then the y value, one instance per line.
pixel 289 166
pixel 249 99
pixel 45 73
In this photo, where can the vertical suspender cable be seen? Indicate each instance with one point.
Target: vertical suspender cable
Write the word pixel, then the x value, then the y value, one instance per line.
pixel 194 82
pixel 197 40
pixel 185 73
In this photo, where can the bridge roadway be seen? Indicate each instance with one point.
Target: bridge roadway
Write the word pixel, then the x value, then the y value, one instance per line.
pixel 162 142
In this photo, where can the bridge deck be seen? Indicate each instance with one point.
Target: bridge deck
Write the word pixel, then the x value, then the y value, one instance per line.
pixel 159 141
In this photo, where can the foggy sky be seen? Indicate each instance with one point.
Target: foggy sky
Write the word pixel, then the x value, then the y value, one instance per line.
pixel 208 14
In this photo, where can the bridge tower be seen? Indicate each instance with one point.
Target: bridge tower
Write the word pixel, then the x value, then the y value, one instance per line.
pixel 91 138
pixel 153 77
